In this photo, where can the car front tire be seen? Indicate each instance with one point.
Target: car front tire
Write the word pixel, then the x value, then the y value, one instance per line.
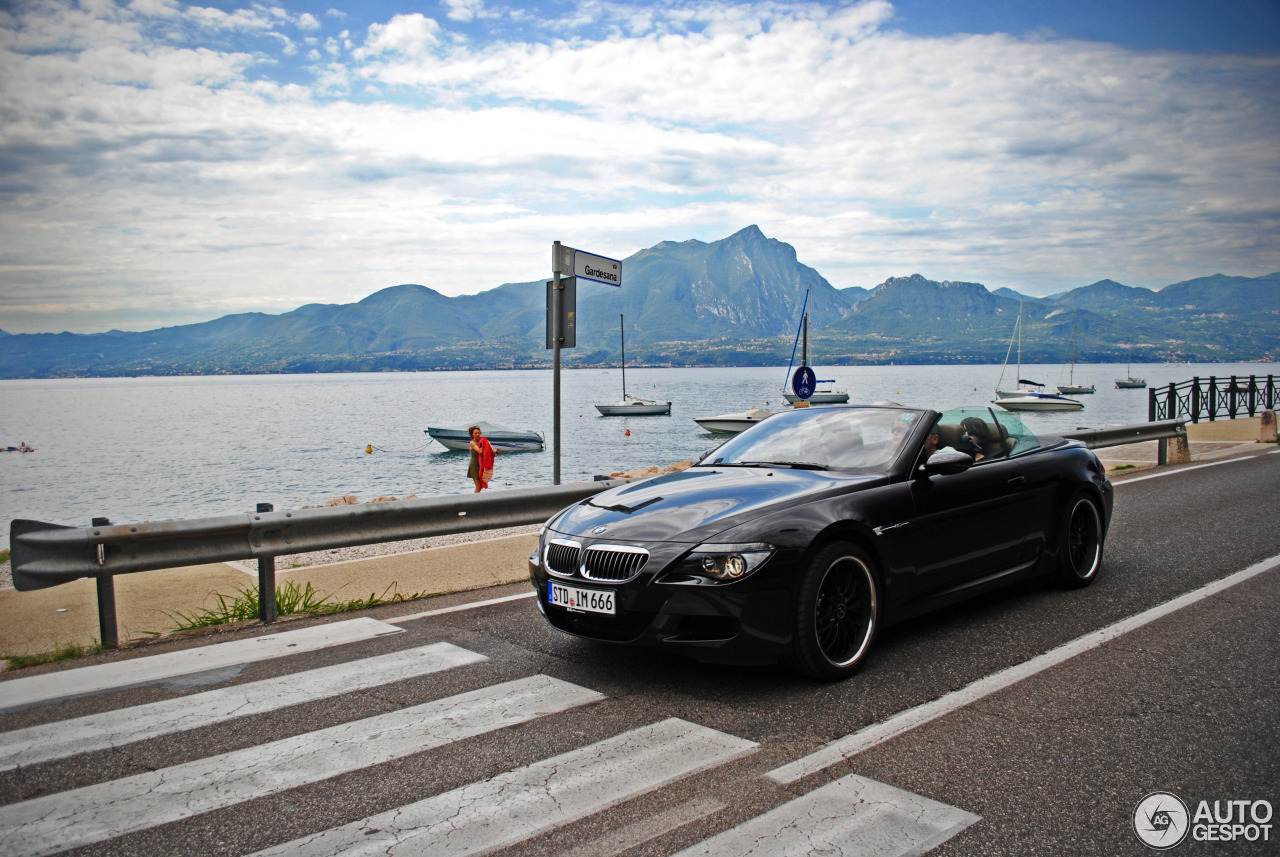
pixel 1080 547
pixel 837 613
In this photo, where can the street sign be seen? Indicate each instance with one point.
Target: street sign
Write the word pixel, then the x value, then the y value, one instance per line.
pixel 804 382
pixel 567 327
pixel 600 269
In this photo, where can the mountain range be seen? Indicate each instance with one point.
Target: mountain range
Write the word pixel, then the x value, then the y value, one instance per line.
pixel 736 301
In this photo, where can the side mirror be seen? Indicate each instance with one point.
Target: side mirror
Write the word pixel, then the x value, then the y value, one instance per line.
pixel 947 462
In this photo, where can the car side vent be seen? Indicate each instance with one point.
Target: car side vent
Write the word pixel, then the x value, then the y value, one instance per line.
pixel 614 563
pixel 562 557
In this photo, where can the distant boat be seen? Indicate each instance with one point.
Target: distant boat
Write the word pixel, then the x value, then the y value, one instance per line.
pixel 632 406
pixel 1071 388
pixel 506 439
pixel 733 423
pixel 1129 382
pixel 829 396
pixel 1030 395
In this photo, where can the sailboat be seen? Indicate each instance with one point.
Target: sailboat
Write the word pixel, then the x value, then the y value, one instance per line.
pixel 1030 396
pixel 1071 387
pixel 633 406
pixel 828 396
pixel 1129 382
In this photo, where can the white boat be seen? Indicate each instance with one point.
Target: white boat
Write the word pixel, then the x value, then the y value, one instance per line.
pixel 632 406
pixel 458 438
pixel 1129 382
pixel 1071 388
pixel 821 397
pixel 828 396
pixel 1031 401
pixel 1030 395
pixel 733 423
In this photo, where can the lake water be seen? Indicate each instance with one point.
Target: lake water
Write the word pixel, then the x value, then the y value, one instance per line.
pixel 145 449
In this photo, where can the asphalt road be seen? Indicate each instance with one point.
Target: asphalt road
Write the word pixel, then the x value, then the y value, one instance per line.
pixel 1053 764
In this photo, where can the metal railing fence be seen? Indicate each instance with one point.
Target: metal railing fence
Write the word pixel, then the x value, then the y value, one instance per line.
pixel 1212 398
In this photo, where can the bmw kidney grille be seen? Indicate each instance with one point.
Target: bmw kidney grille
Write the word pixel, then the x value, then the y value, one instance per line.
pixel 611 563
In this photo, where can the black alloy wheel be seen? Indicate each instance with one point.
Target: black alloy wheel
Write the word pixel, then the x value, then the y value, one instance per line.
pixel 1080 551
pixel 838 613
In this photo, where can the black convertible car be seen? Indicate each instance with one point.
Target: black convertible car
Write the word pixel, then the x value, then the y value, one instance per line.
pixel 803 535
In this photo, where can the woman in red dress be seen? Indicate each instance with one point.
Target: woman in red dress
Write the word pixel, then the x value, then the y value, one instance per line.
pixel 480 470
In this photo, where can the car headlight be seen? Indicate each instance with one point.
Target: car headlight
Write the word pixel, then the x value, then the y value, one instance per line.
pixel 727 562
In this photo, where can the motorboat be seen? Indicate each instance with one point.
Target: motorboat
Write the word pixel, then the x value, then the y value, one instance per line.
pixel 1071 388
pixel 821 396
pixel 458 438
pixel 632 406
pixel 1027 400
pixel 733 423
pixel 827 396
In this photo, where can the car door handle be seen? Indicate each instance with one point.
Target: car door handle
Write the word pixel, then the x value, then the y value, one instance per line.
pixel 1017 481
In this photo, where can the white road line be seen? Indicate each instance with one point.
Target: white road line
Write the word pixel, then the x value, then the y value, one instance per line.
pixel 461 607
pixel 92 814
pixel 851 745
pixel 513 806
pixel 1187 469
pixel 126 725
pixel 25 692
pixel 851 816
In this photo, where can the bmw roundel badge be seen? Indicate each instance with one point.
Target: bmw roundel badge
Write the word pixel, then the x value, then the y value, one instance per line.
pixel 598 530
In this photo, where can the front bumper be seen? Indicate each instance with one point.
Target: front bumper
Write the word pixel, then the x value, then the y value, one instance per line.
pixel 747 621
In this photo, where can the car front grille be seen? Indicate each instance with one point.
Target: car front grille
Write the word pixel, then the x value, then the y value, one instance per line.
pixel 562 557
pixel 607 563
pixel 614 563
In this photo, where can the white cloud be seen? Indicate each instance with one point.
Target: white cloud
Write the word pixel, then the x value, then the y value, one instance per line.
pixel 138 171
pixel 412 35
pixel 463 10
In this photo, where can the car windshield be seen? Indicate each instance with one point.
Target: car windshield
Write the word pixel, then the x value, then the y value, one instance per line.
pixel 821 439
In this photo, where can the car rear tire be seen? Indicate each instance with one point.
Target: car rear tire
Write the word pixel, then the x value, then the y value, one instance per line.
pixel 1080 546
pixel 837 613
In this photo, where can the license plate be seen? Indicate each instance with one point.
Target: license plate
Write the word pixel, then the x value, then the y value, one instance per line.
pixel 586 600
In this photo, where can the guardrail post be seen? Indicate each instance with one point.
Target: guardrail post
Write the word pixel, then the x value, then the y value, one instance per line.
pixel 1195 399
pixel 1151 405
pixel 266 581
pixel 108 633
pixel 1213 398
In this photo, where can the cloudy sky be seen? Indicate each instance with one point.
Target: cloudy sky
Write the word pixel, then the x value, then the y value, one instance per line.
pixel 164 162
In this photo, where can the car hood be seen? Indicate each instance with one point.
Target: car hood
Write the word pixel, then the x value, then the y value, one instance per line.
pixel 695 504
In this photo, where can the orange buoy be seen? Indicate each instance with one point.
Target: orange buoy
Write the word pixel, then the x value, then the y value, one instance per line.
pixel 628 432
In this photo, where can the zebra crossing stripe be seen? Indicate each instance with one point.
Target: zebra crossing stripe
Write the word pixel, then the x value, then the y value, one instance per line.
pixel 67 684
pixel 527 801
pixel 60 740
pixel 851 816
pixel 92 814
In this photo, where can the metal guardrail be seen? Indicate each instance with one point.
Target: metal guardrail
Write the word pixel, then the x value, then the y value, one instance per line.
pixel 1120 435
pixel 45 555
pixel 1212 398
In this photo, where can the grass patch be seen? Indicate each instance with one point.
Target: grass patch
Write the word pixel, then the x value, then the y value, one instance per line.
pixel 290 600
pixel 1124 467
pixel 4 557
pixel 62 653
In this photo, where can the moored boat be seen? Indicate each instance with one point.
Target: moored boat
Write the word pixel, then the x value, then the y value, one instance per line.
pixel 632 406
pixel 1033 401
pixel 1071 388
pixel 458 438
pixel 733 423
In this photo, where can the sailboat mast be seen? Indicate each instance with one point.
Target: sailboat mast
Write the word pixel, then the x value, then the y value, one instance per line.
pixel 622 330
pixel 804 353
pixel 1072 379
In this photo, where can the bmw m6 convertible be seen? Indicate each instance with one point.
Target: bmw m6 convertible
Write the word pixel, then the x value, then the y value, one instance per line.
pixel 797 540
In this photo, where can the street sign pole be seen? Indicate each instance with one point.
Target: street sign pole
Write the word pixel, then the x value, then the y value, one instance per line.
pixel 555 364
